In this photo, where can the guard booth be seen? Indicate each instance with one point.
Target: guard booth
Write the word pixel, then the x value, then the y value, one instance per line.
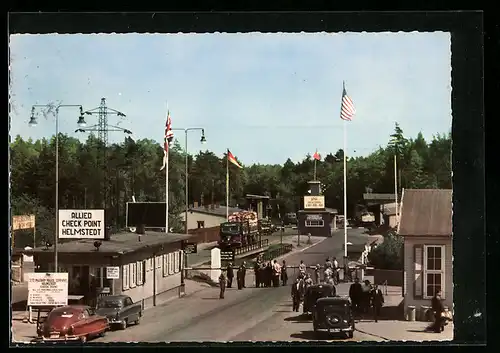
pixel 314 218
pixel 259 204
pixel 376 203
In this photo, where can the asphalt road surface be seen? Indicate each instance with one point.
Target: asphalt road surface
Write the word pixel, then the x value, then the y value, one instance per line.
pixel 251 314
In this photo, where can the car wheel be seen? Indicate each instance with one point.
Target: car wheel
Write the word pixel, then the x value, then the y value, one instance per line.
pixel 138 321
pixel 350 334
pixel 83 339
pixel 102 334
pixel 123 324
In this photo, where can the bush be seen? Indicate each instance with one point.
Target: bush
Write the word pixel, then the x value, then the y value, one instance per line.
pixel 389 254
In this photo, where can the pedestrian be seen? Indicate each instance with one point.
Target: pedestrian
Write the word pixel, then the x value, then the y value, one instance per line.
pixel 230 275
pixel 244 268
pixel 367 290
pixel 269 274
pixel 222 284
pixel 302 268
pixel 239 278
pixel 355 292
pixel 336 270
pixel 317 276
pixel 377 299
pixel 256 270
pixel 276 273
pixel 438 309
pixel 296 295
pixel 308 281
pixel 263 274
pixel 284 274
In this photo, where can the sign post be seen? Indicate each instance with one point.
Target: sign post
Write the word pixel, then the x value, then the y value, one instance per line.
pixel 48 289
pixel 314 202
pixel 112 273
pixel 81 224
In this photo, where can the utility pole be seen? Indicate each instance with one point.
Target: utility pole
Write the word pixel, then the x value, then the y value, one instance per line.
pixel 103 128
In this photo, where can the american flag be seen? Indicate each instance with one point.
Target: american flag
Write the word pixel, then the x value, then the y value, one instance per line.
pixel 169 136
pixel 347 109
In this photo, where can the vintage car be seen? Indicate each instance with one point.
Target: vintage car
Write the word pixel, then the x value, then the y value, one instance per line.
pixel 72 323
pixel 120 310
pixel 315 292
pixel 334 314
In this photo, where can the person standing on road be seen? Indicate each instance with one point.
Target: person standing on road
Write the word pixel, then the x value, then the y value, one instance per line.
pixel 284 275
pixel 355 292
pixel 230 275
pixel 222 284
pixel 276 273
pixel 377 299
pixel 263 274
pixel 302 268
pixel 366 296
pixel 296 295
pixel 269 274
pixel 244 269
pixel 256 270
pixel 317 276
pixel 336 270
pixel 438 309
pixel 239 277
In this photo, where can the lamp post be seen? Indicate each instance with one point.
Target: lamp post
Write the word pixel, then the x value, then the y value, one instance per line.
pixel 202 140
pixel 33 122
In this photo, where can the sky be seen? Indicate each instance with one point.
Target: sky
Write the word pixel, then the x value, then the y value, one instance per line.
pixel 266 97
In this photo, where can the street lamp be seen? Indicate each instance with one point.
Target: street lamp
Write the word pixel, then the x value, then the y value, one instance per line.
pixel 33 122
pixel 203 140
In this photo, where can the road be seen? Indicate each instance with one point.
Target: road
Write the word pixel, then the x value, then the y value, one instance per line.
pixel 251 314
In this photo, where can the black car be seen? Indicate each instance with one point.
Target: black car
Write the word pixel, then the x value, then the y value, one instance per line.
pixel 334 314
pixel 315 292
pixel 120 310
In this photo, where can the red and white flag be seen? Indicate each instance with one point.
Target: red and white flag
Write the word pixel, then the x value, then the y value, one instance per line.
pixel 169 136
pixel 317 156
pixel 347 109
pixel 231 158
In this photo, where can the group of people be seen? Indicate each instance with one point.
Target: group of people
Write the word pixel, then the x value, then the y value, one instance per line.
pixel 226 279
pixel 269 274
pixel 299 287
pixel 365 296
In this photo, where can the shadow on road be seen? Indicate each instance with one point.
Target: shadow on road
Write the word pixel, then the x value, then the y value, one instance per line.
pixel 317 336
pixel 212 298
pixel 298 318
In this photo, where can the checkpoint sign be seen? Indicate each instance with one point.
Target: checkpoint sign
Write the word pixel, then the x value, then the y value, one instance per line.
pixel 227 255
pixel 113 272
pixel 81 224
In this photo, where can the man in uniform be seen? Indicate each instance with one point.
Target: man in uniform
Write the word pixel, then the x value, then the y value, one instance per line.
pixel 222 284
pixel 230 275
pixel 239 277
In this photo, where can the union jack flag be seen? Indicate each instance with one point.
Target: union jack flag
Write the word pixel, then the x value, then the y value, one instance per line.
pixel 169 136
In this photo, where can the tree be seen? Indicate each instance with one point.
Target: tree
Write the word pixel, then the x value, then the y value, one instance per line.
pixel 389 254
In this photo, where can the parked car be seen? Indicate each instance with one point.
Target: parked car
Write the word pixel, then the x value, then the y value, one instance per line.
pixel 72 323
pixel 120 310
pixel 315 292
pixel 334 314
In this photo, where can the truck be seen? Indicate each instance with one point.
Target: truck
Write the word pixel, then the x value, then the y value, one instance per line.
pixel 242 228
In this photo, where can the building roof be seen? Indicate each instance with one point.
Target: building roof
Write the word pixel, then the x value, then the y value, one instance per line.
pixel 389 209
pixel 119 243
pixel 331 210
pixel 218 210
pixel 257 197
pixel 378 197
pixel 426 212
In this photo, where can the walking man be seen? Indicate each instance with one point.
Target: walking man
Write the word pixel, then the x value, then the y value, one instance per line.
pixel 438 309
pixel 256 270
pixel 230 275
pixel 244 268
pixel 355 292
pixel 276 273
pixel 239 277
pixel 222 284
pixel 302 268
pixel 377 302
pixel 296 287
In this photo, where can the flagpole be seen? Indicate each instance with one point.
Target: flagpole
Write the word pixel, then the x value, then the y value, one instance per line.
pixel 396 186
pixel 227 184
pixel 315 166
pixel 166 181
pixel 345 191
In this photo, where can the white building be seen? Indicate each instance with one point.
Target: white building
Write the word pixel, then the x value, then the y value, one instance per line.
pixel 207 216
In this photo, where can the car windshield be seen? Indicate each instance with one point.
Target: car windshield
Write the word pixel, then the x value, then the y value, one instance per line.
pixel 336 307
pixel 60 313
pixel 111 304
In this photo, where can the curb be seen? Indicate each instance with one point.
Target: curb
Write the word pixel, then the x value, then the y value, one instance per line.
pixel 373 335
pixel 301 250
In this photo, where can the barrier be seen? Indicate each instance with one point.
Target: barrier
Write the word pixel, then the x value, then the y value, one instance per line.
pixel 251 247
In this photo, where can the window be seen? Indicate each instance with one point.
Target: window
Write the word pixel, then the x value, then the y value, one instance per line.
pixel 315 223
pixel 158 261
pixel 125 277
pixel 128 301
pixel 140 273
pixel 133 274
pixel 165 265
pixel 171 263
pixel 201 224
pixel 176 261
pixel 434 263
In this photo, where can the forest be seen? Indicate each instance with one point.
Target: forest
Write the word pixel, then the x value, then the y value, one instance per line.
pixel 90 173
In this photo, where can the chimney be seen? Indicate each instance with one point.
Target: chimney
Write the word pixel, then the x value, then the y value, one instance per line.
pixel 195 204
pixel 140 229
